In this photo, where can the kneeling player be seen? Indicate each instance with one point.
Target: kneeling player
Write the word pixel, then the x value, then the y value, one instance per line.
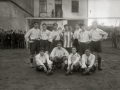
pixel 73 63
pixel 59 55
pixel 43 63
pixel 88 62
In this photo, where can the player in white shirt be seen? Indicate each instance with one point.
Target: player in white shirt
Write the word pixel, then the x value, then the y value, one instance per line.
pixel 97 35
pixel 45 34
pixel 88 62
pixel 76 36
pixel 33 37
pixel 73 63
pixel 55 36
pixel 43 63
pixel 84 39
pixel 59 55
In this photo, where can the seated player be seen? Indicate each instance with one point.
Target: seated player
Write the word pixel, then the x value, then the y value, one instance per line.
pixel 73 63
pixel 88 62
pixel 59 55
pixel 43 63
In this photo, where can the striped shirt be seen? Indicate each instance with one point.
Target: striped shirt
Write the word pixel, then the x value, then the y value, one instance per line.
pixel 67 37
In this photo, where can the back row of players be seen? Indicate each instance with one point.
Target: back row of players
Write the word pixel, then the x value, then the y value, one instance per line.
pixel 72 51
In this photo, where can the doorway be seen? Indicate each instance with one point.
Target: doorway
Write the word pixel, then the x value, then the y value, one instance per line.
pixel 58 8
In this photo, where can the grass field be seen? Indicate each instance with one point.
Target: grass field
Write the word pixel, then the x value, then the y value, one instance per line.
pixel 15 73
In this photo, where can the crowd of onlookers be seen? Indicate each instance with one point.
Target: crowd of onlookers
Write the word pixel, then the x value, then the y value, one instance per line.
pixel 12 39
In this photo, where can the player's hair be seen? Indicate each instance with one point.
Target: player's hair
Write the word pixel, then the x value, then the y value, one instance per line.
pixel 82 24
pixel 95 22
pixel 65 25
pixel 55 24
pixel 74 47
pixel 44 24
pixel 77 24
pixel 87 49
pixel 42 49
pixel 36 23
pixel 59 43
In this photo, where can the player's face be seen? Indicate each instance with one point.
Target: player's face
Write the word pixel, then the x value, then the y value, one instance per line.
pixel 77 26
pixel 94 25
pixel 66 27
pixel 73 50
pixel 83 28
pixel 44 27
pixel 41 53
pixel 59 46
pixel 55 27
pixel 36 25
pixel 87 52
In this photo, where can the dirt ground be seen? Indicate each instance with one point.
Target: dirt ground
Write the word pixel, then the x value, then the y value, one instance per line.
pixel 15 73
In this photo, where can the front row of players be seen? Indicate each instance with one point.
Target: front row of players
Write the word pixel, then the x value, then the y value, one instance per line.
pixel 60 58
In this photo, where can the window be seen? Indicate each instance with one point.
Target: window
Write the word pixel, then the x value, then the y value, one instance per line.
pixel 75 6
pixel 43 6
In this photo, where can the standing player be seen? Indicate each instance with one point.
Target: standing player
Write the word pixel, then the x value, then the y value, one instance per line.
pixel 97 35
pixel 73 63
pixel 84 39
pixel 76 36
pixel 67 38
pixel 45 34
pixel 55 36
pixel 33 37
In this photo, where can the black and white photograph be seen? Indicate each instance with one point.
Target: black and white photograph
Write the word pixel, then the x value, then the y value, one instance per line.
pixel 59 44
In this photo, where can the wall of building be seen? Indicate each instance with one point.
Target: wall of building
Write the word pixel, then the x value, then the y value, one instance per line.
pixel 66 6
pixel 67 9
pixel 26 5
pixel 12 16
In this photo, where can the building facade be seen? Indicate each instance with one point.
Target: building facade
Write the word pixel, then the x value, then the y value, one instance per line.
pixel 59 11
pixel 13 13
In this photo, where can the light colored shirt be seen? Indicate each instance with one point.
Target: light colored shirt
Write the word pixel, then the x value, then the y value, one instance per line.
pixel 67 39
pixel 59 52
pixel 45 34
pixel 88 60
pixel 55 33
pixel 98 34
pixel 76 34
pixel 32 34
pixel 73 58
pixel 40 60
pixel 84 36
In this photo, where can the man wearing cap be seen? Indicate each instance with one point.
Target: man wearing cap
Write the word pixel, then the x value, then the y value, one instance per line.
pixel 45 34
pixel 55 36
pixel 43 63
pixel 59 55
pixel 88 62
pixel 33 37
pixel 73 63
pixel 97 36
pixel 84 39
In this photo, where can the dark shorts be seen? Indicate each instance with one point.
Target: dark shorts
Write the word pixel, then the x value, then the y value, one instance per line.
pixel 76 44
pixel 69 49
pixel 59 60
pixel 35 47
pixel 44 44
pixel 96 46
pixel 82 47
